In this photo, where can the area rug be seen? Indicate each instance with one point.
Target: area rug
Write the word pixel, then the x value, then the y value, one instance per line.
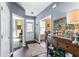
pixel 36 49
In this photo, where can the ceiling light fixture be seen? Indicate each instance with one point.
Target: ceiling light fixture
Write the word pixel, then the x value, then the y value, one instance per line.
pixel 54 6
pixel 32 12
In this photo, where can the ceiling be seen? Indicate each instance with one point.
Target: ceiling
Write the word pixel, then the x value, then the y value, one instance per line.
pixel 34 8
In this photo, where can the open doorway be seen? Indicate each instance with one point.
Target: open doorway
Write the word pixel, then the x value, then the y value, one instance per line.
pixel 17 31
pixel 45 25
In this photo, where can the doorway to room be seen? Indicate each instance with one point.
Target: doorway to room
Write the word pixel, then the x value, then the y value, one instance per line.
pixel 17 32
pixel 45 25
pixel 29 29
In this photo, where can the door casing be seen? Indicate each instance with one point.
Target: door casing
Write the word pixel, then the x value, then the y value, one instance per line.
pixel 47 22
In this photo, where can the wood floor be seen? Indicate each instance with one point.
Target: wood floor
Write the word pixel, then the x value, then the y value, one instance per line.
pixel 25 52
pixel 22 52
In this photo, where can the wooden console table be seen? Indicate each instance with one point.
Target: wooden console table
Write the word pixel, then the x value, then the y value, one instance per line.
pixel 65 44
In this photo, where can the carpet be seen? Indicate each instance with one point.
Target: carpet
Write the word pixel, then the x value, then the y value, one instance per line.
pixel 36 49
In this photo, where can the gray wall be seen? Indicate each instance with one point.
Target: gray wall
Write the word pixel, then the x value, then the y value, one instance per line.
pixel 43 14
pixel 29 17
pixel 16 9
pixel 60 11
pixel 55 14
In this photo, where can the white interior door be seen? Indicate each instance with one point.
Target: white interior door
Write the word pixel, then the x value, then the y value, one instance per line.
pixel 0 29
pixel 29 30
pixel 5 30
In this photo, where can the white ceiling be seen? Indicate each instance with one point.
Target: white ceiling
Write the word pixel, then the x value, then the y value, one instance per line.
pixel 35 7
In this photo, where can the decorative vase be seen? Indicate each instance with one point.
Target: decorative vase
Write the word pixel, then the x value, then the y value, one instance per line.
pixel 75 41
pixel 75 36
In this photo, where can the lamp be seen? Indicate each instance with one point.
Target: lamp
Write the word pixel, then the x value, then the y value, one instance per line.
pixel 73 18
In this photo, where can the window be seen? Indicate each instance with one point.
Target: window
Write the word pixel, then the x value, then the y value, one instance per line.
pixel 29 25
pixel 42 27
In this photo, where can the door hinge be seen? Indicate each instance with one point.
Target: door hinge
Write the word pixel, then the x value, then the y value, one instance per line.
pixel 1 8
pixel 9 37
pixel 1 36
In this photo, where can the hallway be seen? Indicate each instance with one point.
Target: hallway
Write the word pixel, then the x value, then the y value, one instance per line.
pixel 38 29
